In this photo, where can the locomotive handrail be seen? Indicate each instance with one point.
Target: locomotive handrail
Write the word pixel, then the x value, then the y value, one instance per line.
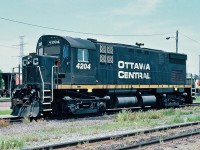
pixel 52 83
pixel 42 83
pixel 11 78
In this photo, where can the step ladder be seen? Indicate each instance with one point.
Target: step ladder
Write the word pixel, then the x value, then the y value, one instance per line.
pixel 46 100
pixel 46 93
pixel 193 93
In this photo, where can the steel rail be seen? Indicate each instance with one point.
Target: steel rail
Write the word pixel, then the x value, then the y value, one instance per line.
pixel 93 140
pixel 156 141
pixel 11 119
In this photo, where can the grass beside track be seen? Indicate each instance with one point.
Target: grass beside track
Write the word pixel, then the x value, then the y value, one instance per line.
pixel 197 98
pixel 124 120
pixel 5 112
pixel 11 144
pixel 5 99
pixel 154 118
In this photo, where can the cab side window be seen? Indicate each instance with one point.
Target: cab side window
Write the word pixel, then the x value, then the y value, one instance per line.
pixel 65 51
pixel 40 51
pixel 83 55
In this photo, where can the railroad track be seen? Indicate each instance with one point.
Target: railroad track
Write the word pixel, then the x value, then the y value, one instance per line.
pixel 16 119
pixel 159 140
pixel 96 141
pixel 11 118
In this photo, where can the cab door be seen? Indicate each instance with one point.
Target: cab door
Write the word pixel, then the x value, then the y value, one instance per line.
pixel 84 69
pixel 65 59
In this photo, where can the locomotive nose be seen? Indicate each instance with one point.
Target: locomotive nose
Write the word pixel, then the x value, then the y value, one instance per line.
pixel 31 59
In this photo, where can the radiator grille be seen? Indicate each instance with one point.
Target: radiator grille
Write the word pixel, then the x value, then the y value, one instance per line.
pixel 30 74
pixel 110 59
pixel 106 54
pixel 177 76
pixel 109 49
pixel 103 58
pixel 103 49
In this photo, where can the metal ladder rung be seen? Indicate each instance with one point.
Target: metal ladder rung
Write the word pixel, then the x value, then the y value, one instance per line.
pixel 46 96
pixel 46 103
pixel 47 90
pixel 47 110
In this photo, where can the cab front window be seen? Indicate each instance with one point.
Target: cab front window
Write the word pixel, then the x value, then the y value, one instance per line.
pixel 52 50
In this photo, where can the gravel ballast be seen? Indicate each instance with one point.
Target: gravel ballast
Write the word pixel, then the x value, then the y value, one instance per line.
pixel 46 132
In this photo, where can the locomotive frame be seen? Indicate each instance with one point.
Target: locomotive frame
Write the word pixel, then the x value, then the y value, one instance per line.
pixel 73 75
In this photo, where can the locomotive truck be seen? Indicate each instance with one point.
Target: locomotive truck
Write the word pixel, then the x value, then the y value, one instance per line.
pixel 73 75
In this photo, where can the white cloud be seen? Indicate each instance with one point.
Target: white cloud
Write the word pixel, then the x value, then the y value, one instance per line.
pixel 137 8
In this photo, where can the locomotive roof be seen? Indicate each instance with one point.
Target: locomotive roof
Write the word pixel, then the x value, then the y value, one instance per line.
pixel 90 43
pixel 79 43
pixel 73 42
pixel 130 46
pixel 125 45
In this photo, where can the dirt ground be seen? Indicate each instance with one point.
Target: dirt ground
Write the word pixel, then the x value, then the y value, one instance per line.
pixel 188 143
pixel 5 105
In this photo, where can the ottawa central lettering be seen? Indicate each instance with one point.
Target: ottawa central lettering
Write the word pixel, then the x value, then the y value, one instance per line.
pixel 139 70
pixel 132 65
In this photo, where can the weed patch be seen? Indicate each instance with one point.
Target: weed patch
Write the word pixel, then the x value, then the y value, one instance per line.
pixel 5 112
pixel 4 123
pixel 11 144
pixel 26 120
pixel 194 118
pixel 169 112
pixel 175 120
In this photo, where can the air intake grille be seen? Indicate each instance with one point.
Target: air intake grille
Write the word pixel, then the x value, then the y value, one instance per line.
pixel 177 76
pixel 30 74
pixel 106 54
pixel 103 49
pixel 103 58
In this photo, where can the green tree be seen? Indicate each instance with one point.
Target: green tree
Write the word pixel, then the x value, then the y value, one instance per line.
pixel 1 80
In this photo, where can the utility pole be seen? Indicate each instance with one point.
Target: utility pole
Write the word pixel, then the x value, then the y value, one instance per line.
pixel 176 38
pixel 176 41
pixel 199 66
pixel 21 55
pixel 21 46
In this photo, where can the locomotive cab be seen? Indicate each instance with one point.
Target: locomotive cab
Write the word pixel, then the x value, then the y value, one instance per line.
pixel 58 61
pixel 76 58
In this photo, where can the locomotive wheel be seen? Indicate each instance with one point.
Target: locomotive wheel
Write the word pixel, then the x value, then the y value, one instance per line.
pixel 102 108
pixel 57 109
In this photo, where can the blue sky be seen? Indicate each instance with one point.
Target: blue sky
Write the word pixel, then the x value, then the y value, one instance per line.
pixel 113 17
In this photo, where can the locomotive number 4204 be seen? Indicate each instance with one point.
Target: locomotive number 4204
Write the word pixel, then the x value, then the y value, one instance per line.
pixel 83 66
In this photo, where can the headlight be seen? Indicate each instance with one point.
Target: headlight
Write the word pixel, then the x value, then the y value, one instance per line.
pixel 24 63
pixel 14 92
pixel 33 91
pixel 29 60
pixel 35 61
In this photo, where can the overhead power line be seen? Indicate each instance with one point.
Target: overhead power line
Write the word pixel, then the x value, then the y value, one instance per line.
pixel 79 32
pixel 89 33
pixel 190 38
pixel 8 46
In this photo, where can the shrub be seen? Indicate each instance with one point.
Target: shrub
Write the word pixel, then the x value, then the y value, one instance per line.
pixel 175 119
pixel 193 118
pixel 123 115
pixel 4 123
pixel 169 112
pixel 11 144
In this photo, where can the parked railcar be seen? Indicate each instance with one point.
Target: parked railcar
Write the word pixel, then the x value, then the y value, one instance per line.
pixel 73 75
